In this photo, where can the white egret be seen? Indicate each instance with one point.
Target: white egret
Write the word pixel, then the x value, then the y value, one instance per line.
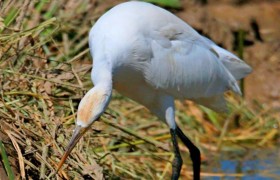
pixel 153 57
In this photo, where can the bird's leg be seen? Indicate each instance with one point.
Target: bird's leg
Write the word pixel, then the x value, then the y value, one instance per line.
pixel 163 106
pixel 194 153
pixel 177 162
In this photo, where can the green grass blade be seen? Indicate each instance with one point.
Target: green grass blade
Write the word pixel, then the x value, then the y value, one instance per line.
pixel 213 117
pixel 6 162
pixel 167 3
pixel 11 16
pixel 40 5
pixel 51 11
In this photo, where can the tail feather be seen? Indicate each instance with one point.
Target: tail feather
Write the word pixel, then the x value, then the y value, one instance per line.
pixel 238 68
pixel 232 83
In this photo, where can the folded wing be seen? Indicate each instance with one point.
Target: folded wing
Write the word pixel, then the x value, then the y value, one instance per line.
pixel 194 69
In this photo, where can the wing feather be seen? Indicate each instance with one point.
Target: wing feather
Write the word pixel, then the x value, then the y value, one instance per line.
pixel 188 69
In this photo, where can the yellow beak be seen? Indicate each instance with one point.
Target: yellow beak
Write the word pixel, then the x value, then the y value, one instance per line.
pixel 78 133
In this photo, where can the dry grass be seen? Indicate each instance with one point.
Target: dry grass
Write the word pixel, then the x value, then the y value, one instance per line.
pixel 44 72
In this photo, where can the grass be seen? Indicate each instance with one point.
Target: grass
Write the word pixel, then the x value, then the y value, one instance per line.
pixel 44 72
pixel 6 162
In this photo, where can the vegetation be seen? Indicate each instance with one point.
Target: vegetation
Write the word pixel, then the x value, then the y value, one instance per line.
pixel 44 72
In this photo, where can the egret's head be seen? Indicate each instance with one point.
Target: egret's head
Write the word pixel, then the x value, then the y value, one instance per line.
pixel 92 105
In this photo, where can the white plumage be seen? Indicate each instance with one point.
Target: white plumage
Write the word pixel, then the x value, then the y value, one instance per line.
pixel 156 50
pixel 153 57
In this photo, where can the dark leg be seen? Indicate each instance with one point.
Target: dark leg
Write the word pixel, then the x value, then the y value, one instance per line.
pixel 177 162
pixel 194 153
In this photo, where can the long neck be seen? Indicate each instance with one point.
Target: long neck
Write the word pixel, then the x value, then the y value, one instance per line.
pixel 101 74
pixel 96 100
pixel 102 79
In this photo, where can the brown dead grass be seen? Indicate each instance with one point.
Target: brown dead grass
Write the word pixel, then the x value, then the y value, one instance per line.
pixel 44 72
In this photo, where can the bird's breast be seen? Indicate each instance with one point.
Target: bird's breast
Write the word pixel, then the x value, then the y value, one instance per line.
pixel 131 83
